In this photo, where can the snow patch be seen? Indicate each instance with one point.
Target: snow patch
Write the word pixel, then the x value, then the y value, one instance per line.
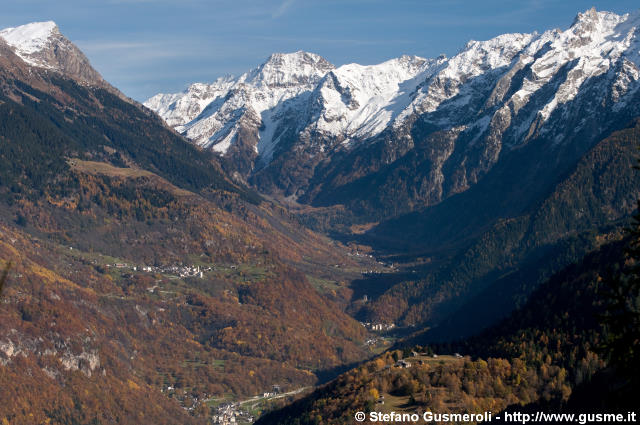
pixel 30 39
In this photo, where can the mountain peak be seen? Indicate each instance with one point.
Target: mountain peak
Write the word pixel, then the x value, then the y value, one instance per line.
pixel 592 20
pixel 31 38
pixel 42 45
pixel 293 56
pixel 588 15
pixel 290 69
pixel 283 59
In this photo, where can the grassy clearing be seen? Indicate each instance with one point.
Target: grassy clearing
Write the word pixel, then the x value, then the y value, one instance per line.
pixel 102 168
pixel 197 363
pixel 217 401
pixel 395 404
pixel 93 167
pixel 323 285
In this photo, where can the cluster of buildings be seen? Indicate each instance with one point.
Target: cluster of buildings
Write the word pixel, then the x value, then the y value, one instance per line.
pixel 181 270
pixel 231 414
pixel 359 254
pixel 372 272
pixel 371 341
pixel 378 327
pixel 402 364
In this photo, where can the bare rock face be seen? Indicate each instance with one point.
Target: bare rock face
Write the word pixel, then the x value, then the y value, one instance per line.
pixel 64 56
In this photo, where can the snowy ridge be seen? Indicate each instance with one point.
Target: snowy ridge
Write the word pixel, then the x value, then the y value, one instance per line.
pixel 30 39
pixel 210 114
pixel 355 100
pixel 359 101
pixel 180 108
pixel 595 42
pixel 499 92
pixel 476 59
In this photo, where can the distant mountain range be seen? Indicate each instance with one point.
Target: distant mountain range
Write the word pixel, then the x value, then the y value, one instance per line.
pixel 411 132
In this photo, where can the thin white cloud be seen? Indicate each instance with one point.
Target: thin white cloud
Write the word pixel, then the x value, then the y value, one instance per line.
pixel 135 1
pixel 339 41
pixel 116 54
pixel 284 6
pixel 103 46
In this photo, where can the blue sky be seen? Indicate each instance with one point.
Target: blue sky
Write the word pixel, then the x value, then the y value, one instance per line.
pixel 148 46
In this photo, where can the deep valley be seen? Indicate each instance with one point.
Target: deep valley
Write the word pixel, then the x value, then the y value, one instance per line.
pixel 306 241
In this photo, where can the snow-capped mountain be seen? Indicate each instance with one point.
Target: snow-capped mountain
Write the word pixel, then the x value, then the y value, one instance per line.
pixel 42 46
pixel 30 40
pixel 213 115
pixel 352 100
pixel 358 101
pixel 299 126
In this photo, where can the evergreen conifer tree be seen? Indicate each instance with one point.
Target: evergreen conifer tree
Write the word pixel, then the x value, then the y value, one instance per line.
pixel 622 341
